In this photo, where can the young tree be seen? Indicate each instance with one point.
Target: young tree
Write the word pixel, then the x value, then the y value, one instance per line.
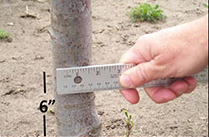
pixel 71 41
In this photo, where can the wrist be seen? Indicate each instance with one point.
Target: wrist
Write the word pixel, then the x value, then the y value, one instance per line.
pixel 200 33
pixel 204 28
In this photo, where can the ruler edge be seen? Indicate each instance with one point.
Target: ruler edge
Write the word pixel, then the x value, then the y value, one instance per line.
pixel 92 66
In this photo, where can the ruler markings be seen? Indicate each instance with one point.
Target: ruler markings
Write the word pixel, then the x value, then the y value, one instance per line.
pixel 103 77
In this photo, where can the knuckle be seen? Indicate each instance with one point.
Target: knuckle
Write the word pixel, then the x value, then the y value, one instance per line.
pixel 142 74
pixel 148 73
pixel 143 38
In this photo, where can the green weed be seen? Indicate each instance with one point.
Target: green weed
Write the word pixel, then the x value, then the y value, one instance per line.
pixel 146 12
pixel 206 5
pixel 129 123
pixel 50 111
pixel 3 34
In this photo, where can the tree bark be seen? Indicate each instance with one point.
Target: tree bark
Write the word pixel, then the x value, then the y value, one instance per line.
pixel 71 40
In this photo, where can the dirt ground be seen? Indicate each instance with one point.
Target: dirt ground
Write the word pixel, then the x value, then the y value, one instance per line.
pixel 25 56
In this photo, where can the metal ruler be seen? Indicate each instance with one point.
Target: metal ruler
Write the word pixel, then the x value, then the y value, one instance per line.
pixel 103 77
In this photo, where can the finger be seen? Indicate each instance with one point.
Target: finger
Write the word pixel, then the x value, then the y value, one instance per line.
pixel 160 94
pixel 139 53
pixel 131 95
pixel 192 82
pixel 139 75
pixel 179 87
pixel 132 56
pixel 186 85
pixel 176 89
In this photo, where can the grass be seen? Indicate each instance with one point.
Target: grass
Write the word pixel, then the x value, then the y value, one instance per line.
pixel 146 12
pixel 4 35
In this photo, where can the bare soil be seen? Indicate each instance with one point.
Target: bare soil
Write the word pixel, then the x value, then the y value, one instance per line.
pixel 27 53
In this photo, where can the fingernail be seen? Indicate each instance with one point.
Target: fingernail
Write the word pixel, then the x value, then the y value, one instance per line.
pixel 125 81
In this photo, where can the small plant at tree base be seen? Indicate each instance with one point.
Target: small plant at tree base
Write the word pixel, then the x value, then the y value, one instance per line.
pixel 3 34
pixel 146 12
pixel 129 123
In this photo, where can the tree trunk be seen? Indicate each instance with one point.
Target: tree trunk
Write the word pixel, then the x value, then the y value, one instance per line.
pixel 71 41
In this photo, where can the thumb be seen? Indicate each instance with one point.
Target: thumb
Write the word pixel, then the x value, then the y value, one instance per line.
pixel 139 75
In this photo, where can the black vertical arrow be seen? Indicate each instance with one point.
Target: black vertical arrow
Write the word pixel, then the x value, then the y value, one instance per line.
pixel 44 79
pixel 44 117
pixel 44 124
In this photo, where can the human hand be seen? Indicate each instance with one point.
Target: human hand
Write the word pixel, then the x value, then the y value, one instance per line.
pixel 179 51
